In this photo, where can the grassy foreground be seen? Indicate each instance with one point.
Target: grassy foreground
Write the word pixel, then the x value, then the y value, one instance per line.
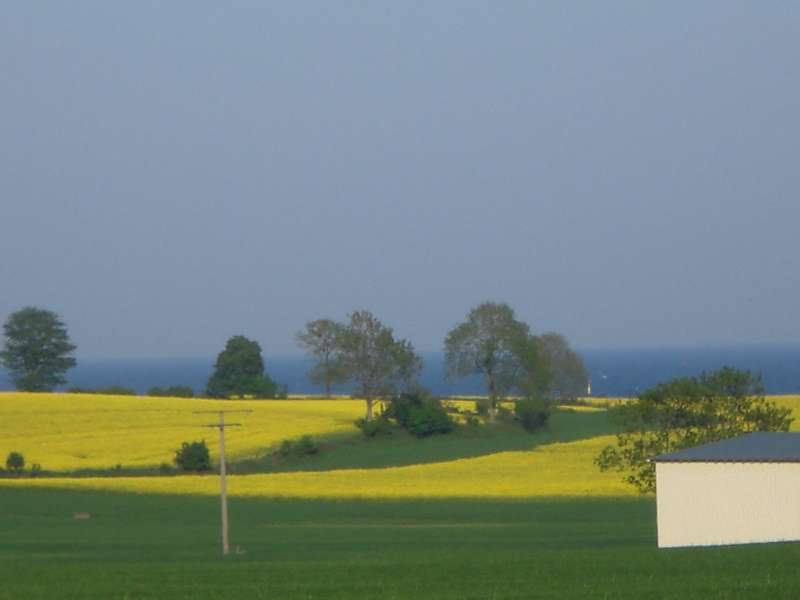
pixel 139 546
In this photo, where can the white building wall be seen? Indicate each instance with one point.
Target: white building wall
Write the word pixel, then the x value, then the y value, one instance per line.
pixel 704 504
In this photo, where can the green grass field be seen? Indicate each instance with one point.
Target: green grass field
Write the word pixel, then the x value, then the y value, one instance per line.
pixel 348 451
pixel 587 543
pixel 138 546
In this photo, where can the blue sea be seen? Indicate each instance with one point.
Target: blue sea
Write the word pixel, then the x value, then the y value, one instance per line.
pixel 613 372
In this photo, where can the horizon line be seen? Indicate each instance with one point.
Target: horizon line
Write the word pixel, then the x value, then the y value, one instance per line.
pixel 587 348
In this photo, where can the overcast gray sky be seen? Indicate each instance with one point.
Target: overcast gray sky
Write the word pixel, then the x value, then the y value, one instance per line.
pixel 172 173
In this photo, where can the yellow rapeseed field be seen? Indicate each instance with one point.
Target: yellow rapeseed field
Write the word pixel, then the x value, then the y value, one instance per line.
pixel 790 401
pixel 551 470
pixel 65 431
pixel 75 431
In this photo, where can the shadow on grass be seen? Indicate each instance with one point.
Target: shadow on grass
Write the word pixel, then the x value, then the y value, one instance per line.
pixel 401 449
pixel 355 451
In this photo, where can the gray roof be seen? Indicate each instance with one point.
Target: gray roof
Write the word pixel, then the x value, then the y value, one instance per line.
pixel 753 447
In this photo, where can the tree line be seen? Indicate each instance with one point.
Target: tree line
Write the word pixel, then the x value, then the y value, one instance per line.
pixel 491 342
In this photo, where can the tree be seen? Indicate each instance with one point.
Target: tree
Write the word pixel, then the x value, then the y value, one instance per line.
pixel 37 350
pixel 239 371
pixel 15 462
pixel 374 360
pixel 687 412
pixel 530 375
pixel 489 343
pixel 568 376
pixel 320 339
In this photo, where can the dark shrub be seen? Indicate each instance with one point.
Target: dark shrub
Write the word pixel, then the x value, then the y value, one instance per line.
pixel 286 448
pixel 401 407
pixel 430 419
pixel 36 470
pixel 378 426
pixel 306 445
pixel 420 415
pixel 532 413
pixel 193 457
pixel 506 414
pixel 15 462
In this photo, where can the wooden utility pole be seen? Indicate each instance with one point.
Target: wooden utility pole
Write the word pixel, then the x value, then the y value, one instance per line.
pixel 223 489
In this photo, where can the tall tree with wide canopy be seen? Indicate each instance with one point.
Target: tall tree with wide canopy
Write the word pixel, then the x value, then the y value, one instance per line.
pixel 568 376
pixel 320 339
pixel 376 362
pixel 239 371
pixel 37 351
pixel 491 342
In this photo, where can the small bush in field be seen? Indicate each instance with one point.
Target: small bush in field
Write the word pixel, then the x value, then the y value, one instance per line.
pixel 378 426
pixel 193 457
pixel 305 446
pixel 532 413
pixel 420 414
pixel 286 448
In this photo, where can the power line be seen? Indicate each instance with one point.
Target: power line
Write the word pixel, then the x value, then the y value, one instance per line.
pixel 221 425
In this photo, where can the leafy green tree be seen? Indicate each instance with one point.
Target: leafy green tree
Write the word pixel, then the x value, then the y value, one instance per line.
pixel 490 343
pixel 37 351
pixel 688 412
pixel 15 462
pixel 320 339
pixel 568 378
pixel 374 360
pixel 531 377
pixel 239 371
